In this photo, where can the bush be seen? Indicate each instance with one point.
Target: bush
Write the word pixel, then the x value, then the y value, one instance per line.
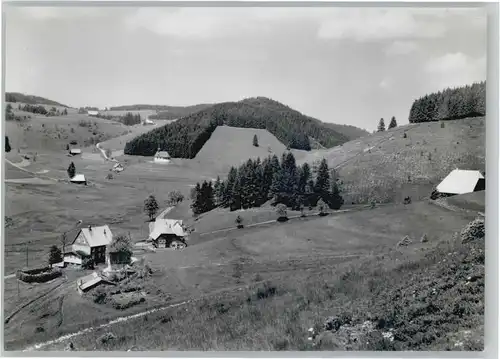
pixel 281 211
pixel 473 231
pixel 239 221
pixel 87 263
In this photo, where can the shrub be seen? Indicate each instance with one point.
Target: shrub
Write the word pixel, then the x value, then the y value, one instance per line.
pixel 281 211
pixel 87 263
pixel 175 197
pixel 407 200
pixel 405 135
pixel 322 207
pixel 55 255
pixel 473 231
pixel 109 176
pixel 239 221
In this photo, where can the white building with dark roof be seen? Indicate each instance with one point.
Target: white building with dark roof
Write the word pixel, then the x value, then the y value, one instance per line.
pixel 90 241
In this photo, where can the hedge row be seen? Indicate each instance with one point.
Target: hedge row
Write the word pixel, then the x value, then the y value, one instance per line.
pixel 40 277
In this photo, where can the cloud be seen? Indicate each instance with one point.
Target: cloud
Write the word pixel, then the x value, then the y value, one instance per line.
pixel 367 24
pixel 456 69
pixel 401 48
pixel 359 24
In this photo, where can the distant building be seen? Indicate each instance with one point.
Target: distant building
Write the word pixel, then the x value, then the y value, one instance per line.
pixel 162 157
pixel 459 182
pixel 88 242
pixel 75 151
pixel 118 167
pixel 92 113
pixel 79 179
pixel 147 121
pixel 166 233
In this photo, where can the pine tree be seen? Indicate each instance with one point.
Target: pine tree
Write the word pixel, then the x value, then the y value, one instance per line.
pixel 55 255
pixel 7 144
pixel 393 123
pixel 197 202
pixel 255 141
pixel 228 187
pixel 322 185
pixel 335 199
pixel 305 176
pixel 71 170
pixel 235 202
pixel 381 126
pixel 218 192
pixel 151 207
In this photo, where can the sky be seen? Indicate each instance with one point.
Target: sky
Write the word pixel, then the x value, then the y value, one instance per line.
pixel 342 65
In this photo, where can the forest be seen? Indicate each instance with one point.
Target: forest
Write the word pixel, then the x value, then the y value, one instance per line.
pixel 450 104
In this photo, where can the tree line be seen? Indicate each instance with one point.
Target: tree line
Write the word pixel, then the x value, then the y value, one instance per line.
pixel 450 104
pixel 185 137
pixel 256 182
pixel 39 109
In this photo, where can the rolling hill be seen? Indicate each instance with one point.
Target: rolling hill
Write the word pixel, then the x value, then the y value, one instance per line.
pixel 387 166
pixel 30 99
pixel 186 136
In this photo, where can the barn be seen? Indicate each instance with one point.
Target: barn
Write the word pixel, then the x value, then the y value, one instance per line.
pixel 460 182
pixel 75 151
pixel 79 179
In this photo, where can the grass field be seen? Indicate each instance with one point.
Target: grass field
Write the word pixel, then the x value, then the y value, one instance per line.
pixel 232 146
pixel 318 257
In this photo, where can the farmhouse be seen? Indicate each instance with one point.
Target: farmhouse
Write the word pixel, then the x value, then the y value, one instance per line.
pixel 162 157
pixel 460 182
pixel 75 151
pixel 91 241
pixel 168 233
pixel 147 121
pixel 80 179
pixel 92 113
pixel 118 167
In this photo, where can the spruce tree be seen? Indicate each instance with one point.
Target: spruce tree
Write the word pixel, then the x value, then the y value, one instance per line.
pixel 196 205
pixel 381 125
pixel 322 185
pixel 218 192
pixel 151 207
pixel 7 144
pixel 228 186
pixel 255 141
pixel 393 123
pixel 235 202
pixel 71 170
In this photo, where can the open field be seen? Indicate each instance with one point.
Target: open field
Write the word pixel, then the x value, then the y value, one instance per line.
pixel 388 167
pixel 232 146
pixel 326 246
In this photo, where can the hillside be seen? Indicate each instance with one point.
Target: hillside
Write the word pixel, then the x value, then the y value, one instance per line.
pixel 241 296
pixel 351 132
pixel 386 166
pixel 232 146
pixel 30 99
pixel 186 136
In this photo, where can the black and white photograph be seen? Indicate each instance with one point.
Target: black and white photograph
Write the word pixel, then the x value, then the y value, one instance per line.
pixel 244 178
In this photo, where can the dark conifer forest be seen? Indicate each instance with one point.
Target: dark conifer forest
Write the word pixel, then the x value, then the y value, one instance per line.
pixel 279 181
pixel 450 104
